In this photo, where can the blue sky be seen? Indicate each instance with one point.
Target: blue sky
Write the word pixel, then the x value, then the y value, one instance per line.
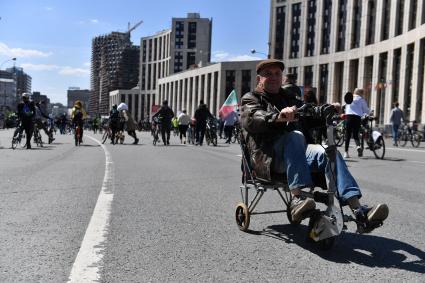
pixel 52 39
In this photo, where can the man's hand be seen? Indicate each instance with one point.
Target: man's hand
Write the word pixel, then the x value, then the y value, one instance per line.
pixel 287 114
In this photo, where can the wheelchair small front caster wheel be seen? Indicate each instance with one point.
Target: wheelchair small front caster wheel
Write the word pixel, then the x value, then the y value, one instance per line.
pixel 289 215
pixel 242 217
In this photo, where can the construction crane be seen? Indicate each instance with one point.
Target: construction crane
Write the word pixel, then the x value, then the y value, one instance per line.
pixel 134 27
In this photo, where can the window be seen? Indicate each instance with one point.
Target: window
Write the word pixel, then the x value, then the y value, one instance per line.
pixel 230 82
pixel 399 17
pixel 295 30
pixel 326 26
pixel 190 59
pixel 371 15
pixel 342 17
pixel 191 38
pixel 280 32
pixel 355 36
pixel 386 19
pixel 246 81
pixel 311 27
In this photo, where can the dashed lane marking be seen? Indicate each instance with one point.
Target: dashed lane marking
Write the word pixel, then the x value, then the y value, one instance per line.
pixel 88 263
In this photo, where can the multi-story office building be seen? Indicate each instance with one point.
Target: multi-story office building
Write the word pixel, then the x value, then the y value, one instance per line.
pixel 336 46
pixel 114 65
pixel 75 93
pixel 23 80
pixel 187 44
pixel 8 98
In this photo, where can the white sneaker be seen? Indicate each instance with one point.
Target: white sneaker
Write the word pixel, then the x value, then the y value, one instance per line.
pixel 346 155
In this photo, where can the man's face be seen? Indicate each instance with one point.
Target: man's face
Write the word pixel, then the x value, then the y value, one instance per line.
pixel 270 79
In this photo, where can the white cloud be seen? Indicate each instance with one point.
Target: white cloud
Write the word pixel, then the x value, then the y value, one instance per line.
pixel 62 70
pixel 220 56
pixel 48 8
pixel 69 71
pixel 39 67
pixel 20 52
pixel 94 21
pixel 87 64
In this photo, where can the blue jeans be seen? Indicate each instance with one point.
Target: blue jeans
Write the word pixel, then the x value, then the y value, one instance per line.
pixel 395 132
pixel 293 157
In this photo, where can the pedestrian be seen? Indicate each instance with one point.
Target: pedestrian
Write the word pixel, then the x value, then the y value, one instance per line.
pixel 165 115
pixel 130 125
pixel 26 114
pixel 353 114
pixel 201 115
pixel 220 127
pixel 290 85
pixel 229 123
pixel 395 119
pixel 183 122
pixel 114 122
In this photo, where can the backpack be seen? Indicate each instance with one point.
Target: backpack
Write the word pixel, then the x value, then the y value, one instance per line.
pixel 114 116
pixel 27 110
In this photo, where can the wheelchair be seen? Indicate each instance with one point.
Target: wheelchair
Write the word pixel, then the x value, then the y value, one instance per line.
pixel 324 225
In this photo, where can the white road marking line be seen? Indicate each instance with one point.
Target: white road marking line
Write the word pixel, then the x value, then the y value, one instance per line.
pixel 88 262
pixel 413 161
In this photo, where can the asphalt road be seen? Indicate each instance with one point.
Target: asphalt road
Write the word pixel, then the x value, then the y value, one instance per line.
pixel 171 217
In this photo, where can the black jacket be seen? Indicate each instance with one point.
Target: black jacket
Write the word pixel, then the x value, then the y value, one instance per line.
pixel 26 114
pixel 166 114
pixel 202 114
pixel 260 111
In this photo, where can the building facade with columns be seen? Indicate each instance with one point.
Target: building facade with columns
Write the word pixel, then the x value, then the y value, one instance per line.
pixel 336 46
pixel 132 98
pixel 212 84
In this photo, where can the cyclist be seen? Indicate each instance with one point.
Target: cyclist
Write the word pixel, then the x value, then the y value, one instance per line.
pixel 229 124
pixel 175 125
pixel 277 146
pixel 165 114
pixel 78 114
pixel 26 113
pixel 40 122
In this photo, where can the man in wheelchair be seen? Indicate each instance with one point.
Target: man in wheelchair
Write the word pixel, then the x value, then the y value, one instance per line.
pixel 276 145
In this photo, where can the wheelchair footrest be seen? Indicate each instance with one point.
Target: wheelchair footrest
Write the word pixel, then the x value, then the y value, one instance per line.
pixel 268 212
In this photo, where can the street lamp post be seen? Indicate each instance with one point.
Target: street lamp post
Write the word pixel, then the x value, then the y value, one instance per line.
pixel 253 51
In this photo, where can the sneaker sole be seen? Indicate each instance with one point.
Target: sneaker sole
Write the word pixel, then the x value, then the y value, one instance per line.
pixel 378 213
pixel 308 205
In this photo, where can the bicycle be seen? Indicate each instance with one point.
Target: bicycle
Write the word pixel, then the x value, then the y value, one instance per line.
pixel 340 132
pixel 374 139
pixel 156 128
pixel 77 135
pixel 407 133
pixel 107 134
pixel 37 137
pixel 236 133
pixel 211 133
pixel 19 137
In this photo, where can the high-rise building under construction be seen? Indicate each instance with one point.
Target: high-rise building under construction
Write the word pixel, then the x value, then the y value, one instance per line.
pixel 114 65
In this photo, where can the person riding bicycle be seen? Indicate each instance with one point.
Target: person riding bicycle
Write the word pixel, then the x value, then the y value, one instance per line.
pixel 114 122
pixel 183 122
pixel 78 114
pixel 26 113
pixel 39 121
pixel 275 145
pixel 166 115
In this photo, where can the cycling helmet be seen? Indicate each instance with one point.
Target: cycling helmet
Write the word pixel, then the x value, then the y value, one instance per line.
pixel 26 95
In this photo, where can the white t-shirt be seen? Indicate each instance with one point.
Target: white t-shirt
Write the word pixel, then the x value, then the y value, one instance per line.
pixel 357 107
pixel 183 119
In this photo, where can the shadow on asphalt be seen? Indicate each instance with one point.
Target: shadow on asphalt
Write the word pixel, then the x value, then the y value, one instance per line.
pixel 364 249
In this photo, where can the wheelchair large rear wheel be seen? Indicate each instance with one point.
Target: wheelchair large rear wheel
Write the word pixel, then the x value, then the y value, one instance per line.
pixel 242 216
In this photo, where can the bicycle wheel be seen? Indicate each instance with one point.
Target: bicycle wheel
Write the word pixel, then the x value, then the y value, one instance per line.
pixel 38 139
pixel 402 139
pixel 105 137
pixel 214 139
pixel 379 148
pixel 15 139
pixel 416 140
pixel 339 137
